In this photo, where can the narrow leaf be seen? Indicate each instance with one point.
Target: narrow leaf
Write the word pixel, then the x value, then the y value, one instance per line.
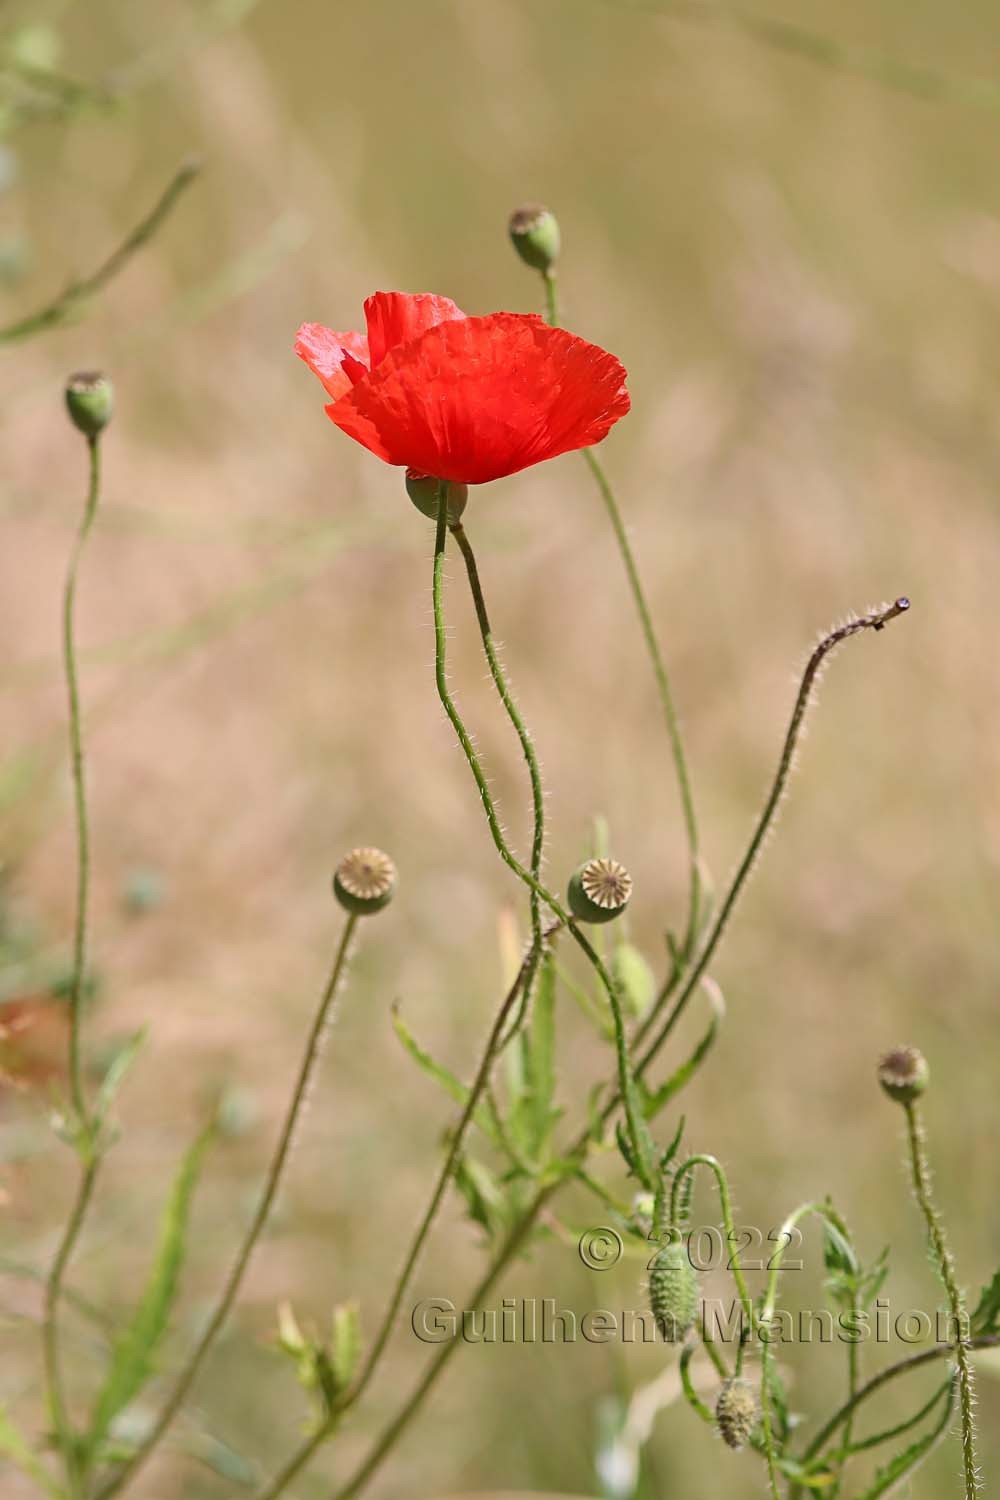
pixel 345 1344
pixel 987 1313
pixel 904 1463
pixel 677 1080
pixel 117 1069
pixel 16 1448
pixel 447 1080
pixel 136 1347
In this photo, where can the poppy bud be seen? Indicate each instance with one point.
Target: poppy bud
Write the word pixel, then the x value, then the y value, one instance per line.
pixel 425 492
pixel 534 233
pixel 364 881
pixel 90 401
pixel 673 1292
pixel 599 890
pixel 904 1074
pixel 736 1412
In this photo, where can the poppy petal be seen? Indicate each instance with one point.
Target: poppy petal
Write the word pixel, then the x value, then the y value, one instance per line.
pixel 397 317
pixel 339 359
pixel 477 399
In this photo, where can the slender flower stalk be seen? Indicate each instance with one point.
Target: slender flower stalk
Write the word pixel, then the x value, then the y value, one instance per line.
pixel 272 1181
pixel 655 655
pixel 520 728
pixel 626 1089
pixel 920 1171
pixel 80 1125
pixel 874 620
pixel 311 1445
pixel 732 1238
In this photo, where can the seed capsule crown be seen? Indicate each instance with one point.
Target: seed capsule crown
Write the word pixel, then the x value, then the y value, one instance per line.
pixel 364 881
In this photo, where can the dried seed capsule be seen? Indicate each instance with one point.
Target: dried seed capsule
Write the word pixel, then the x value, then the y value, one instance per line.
pixel 364 881
pixel 903 1074
pixel 90 401
pixel 673 1292
pixel 736 1412
pixel 599 890
pixel 534 233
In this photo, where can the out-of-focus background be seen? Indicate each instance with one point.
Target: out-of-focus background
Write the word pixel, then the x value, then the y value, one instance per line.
pixel 790 233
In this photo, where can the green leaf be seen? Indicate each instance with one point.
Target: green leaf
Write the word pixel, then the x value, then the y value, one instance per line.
pixel 484 1199
pixel 987 1314
pixel 135 1349
pixel 451 1085
pixel 16 1448
pixel 659 1098
pixel 345 1343
pixel 635 979
pixel 534 1116
pixel 117 1069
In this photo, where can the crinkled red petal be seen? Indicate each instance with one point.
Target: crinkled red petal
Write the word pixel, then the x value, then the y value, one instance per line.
pixel 477 399
pixel 339 359
pixel 397 317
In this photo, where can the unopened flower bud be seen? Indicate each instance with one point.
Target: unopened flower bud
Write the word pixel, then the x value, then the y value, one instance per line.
pixel 736 1412
pixel 904 1074
pixel 425 492
pixel 534 233
pixel 599 890
pixel 90 401
pixel 364 881
pixel 674 1292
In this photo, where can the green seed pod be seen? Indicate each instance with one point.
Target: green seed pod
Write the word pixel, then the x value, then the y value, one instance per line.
pixel 904 1074
pixel 534 233
pixel 599 890
pixel 424 490
pixel 736 1412
pixel 364 881
pixel 674 1292
pixel 90 401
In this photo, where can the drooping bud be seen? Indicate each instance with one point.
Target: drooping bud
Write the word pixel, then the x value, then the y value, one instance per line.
pixel 674 1292
pixel 599 890
pixel 736 1412
pixel 90 401
pixel 904 1074
pixel 364 881
pixel 425 492
pixel 534 233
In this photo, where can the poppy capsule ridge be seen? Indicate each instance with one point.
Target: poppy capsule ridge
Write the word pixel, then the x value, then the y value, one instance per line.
pixel 534 233
pixel 364 881
pixel 599 890
pixel 904 1074
pixel 90 401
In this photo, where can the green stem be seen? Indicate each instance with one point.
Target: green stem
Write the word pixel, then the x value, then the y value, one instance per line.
pixel 309 1447
pixel 876 620
pixel 626 1089
pixel 853 1371
pixel 271 1183
pixel 79 786
pixel 80 1125
pixel 884 1377
pixel 726 1205
pixel 520 728
pixel 655 654
pixel 956 1302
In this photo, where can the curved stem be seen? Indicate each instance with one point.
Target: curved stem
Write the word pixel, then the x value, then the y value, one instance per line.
pixel 520 728
pixel 271 1183
pixel 81 1127
pixel 956 1301
pixel 655 655
pixel 725 1203
pixel 890 1373
pixel 876 620
pixel 309 1447
pixel 626 1088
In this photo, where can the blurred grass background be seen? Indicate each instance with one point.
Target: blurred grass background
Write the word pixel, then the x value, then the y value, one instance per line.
pixel 799 266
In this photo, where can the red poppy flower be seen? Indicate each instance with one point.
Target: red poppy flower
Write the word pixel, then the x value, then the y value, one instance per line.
pixel 463 399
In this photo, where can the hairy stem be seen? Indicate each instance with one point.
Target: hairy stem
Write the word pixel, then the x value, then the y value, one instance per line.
pixel 920 1171
pixel 626 1090
pixel 80 1124
pixel 309 1447
pixel 655 655
pixel 876 620
pixel 520 728
pixel 271 1183
pixel 726 1205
